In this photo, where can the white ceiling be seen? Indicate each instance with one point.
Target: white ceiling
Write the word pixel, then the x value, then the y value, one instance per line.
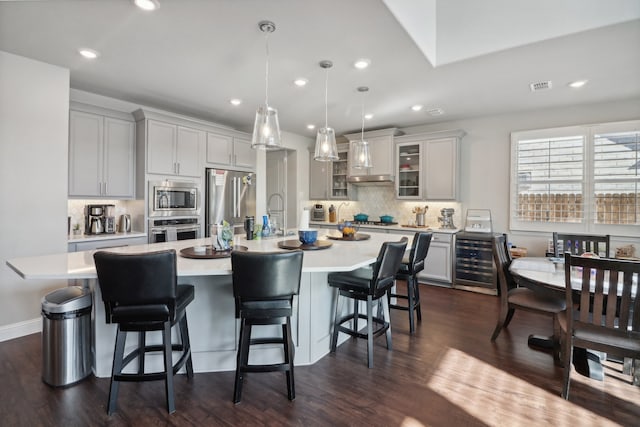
pixel 192 56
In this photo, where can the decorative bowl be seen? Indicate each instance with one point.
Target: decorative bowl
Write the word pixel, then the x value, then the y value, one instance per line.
pixel 308 236
pixel 386 218
pixel 348 229
pixel 361 217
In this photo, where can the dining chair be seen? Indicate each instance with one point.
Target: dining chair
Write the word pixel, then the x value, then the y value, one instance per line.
pixel 513 297
pixel 141 294
pixel 409 268
pixel 605 309
pixel 370 285
pixel 264 284
pixel 577 244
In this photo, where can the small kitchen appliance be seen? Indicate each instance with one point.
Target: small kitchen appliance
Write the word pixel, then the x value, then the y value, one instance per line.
pixel 317 213
pixel 95 219
pixel 446 220
pixel 125 223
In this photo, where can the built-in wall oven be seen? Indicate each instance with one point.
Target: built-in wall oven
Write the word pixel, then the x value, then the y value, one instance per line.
pixel 170 229
pixel 173 199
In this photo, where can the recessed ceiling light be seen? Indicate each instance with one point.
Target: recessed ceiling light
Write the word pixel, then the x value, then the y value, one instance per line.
pixel 361 64
pixel 311 127
pixel 578 84
pixel 368 116
pixel 147 4
pixel 300 82
pixel 89 53
pixel 417 107
pixel 235 101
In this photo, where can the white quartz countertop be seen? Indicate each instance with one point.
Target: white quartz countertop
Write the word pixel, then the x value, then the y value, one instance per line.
pixel 104 236
pixel 341 256
pixel 397 227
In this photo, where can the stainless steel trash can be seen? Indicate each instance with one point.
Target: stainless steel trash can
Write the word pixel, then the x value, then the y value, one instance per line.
pixel 66 336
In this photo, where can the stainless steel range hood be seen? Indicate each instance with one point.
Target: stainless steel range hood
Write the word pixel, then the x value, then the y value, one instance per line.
pixel 371 179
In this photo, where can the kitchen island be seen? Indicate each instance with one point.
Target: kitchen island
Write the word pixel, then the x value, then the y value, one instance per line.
pixel 212 324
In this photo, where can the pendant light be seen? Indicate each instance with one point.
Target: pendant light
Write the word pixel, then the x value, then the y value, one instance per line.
pixel 326 148
pixel 361 155
pixel 266 130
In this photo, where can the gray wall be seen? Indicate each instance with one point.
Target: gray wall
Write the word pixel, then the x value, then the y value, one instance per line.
pixel 485 157
pixel 34 110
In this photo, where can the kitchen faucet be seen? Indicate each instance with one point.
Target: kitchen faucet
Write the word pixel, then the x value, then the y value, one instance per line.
pixel 277 211
pixel 339 206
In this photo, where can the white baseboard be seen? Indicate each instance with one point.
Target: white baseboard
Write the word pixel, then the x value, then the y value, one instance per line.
pixel 20 329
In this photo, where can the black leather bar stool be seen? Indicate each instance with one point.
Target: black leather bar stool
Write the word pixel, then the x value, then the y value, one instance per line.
pixel 141 294
pixel 264 284
pixel 409 268
pixel 368 285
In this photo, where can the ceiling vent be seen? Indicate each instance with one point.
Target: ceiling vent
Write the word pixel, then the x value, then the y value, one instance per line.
pixel 435 112
pixel 538 86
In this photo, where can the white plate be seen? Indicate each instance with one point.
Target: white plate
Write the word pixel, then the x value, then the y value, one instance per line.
pixel 199 249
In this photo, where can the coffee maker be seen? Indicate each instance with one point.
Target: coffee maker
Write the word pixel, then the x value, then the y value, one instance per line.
pixel 99 219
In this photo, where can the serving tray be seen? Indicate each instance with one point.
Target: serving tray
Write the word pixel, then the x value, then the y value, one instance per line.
pixel 210 253
pixel 357 236
pixel 296 244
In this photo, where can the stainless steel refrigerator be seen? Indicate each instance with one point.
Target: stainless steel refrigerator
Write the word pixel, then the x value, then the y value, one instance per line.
pixel 229 195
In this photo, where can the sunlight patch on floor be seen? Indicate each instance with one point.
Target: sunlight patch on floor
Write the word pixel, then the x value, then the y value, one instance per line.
pixel 497 398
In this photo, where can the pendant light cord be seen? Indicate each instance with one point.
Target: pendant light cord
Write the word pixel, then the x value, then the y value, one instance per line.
pixel 362 133
pixel 326 98
pixel 266 74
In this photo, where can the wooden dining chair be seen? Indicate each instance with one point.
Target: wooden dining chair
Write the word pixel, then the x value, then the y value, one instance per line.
pixel 512 296
pixel 577 244
pixel 598 320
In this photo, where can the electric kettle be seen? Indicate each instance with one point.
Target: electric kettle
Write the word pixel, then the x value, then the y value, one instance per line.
pixel 125 223
pixel 96 226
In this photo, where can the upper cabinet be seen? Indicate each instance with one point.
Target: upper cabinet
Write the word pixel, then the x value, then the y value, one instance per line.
pixel 173 149
pixel 328 180
pixel 381 149
pixel 427 165
pixel 101 153
pixel 231 149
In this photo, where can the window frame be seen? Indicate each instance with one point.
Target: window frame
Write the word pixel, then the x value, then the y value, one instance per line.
pixel 588 225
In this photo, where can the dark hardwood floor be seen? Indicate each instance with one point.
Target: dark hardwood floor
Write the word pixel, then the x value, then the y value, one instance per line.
pixel 447 374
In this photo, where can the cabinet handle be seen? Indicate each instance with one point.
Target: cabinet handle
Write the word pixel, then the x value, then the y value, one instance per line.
pixel 106 193
pixel 230 160
pixel 178 168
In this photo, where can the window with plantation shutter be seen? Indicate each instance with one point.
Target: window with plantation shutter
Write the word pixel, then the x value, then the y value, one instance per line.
pixel 616 177
pixel 577 179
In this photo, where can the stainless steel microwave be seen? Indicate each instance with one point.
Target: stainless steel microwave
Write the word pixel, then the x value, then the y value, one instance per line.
pixel 173 198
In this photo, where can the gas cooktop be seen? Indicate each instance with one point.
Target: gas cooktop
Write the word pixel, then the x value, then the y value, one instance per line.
pixel 374 223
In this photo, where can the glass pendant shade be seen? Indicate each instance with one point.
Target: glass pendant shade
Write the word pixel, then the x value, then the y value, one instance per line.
pixel 266 129
pixel 326 148
pixel 361 155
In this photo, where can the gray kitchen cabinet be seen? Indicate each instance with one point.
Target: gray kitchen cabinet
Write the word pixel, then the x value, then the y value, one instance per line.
pixel 101 156
pixel 381 149
pixel 427 165
pixel 438 266
pixel 328 180
pixel 106 243
pixel 230 150
pixel 173 149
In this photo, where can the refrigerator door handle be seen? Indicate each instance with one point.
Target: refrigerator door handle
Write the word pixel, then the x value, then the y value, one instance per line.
pixel 235 196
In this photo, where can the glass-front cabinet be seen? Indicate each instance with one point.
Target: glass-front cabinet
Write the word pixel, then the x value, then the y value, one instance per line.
pixel 427 165
pixel 409 170
pixel 338 178
pixel 328 180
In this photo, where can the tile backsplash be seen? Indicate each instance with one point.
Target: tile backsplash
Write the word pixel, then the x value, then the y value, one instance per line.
pixel 380 200
pixel 135 208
